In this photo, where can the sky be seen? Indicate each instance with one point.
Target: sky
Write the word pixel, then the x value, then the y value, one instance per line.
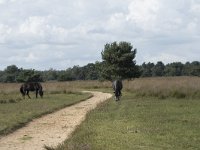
pixel 58 34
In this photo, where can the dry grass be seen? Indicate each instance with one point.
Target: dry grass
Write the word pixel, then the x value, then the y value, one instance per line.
pixel 9 87
pixel 58 86
pixel 179 87
pixel 162 87
pixel 9 92
pixel 74 85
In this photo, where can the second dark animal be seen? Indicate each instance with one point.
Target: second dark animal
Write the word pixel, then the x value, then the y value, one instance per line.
pixel 117 87
pixel 31 86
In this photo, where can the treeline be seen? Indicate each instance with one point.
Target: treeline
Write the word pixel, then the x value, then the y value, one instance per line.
pixel 171 69
pixel 14 74
pixel 92 71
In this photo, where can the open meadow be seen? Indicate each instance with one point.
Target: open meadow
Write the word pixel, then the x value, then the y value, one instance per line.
pixel 153 113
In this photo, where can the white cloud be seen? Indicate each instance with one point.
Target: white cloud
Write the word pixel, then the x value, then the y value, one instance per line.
pixel 144 13
pixel 2 1
pixel 34 25
pixel 4 32
pixel 195 7
pixel 60 34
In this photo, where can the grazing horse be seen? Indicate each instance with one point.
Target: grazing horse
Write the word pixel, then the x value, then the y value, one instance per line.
pixel 117 87
pixel 32 86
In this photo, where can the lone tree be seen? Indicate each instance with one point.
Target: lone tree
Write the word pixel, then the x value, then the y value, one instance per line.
pixel 118 61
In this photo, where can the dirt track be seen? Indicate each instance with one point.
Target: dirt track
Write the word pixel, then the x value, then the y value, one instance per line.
pixel 51 129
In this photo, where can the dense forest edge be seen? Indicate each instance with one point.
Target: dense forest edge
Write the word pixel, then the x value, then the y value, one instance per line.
pixel 92 71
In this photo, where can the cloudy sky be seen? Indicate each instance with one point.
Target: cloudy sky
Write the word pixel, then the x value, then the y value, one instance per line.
pixel 44 34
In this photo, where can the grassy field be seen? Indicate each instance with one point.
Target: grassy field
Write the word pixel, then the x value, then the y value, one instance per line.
pixel 144 121
pixel 15 112
pixel 153 114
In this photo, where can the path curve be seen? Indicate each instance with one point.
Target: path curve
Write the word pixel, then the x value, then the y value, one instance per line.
pixel 51 129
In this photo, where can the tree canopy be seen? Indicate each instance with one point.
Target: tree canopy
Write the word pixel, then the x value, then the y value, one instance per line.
pixel 118 61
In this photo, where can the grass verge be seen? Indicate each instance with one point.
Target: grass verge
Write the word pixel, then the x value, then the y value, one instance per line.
pixel 144 123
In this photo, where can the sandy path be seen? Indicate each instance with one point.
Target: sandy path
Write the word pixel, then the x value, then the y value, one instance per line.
pixel 51 129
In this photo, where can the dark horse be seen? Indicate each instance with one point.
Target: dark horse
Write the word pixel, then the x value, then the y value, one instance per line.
pixel 31 86
pixel 117 87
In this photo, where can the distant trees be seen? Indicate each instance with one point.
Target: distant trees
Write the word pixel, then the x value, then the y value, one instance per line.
pixel 171 69
pixel 158 69
pixel 13 74
pixel 88 72
pixel 93 71
pixel 174 69
pixel 50 75
pixel 146 69
pixel 192 68
pixel 10 74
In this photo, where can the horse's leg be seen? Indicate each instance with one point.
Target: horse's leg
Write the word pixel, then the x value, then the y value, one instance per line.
pixel 40 93
pixel 23 94
pixel 27 93
pixel 36 93
pixel 116 95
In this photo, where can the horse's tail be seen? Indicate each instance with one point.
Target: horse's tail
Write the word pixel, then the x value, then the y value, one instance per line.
pixel 40 89
pixel 22 90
